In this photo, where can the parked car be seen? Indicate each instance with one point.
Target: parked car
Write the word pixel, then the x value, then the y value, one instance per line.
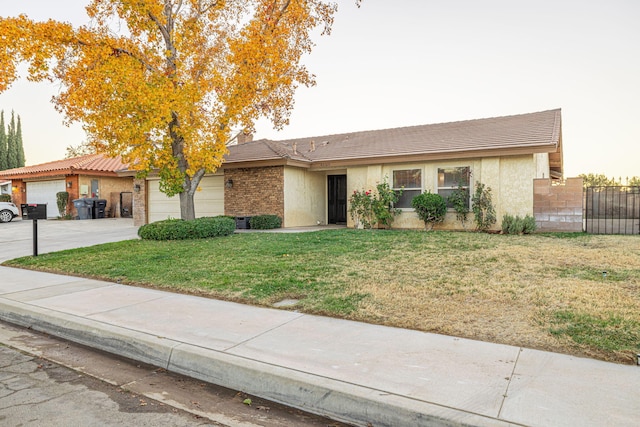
pixel 8 211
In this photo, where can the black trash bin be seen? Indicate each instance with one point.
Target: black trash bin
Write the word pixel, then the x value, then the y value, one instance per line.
pixel 243 222
pixel 84 208
pixel 99 208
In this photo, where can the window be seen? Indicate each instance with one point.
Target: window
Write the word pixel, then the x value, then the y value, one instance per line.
pixel 449 179
pixel 410 182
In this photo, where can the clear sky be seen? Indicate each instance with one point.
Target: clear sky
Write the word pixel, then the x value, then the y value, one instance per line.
pixel 411 62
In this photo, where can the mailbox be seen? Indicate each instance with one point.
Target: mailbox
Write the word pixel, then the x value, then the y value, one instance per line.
pixel 34 211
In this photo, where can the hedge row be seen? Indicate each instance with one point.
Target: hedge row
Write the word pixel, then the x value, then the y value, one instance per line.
pixel 265 222
pixel 178 229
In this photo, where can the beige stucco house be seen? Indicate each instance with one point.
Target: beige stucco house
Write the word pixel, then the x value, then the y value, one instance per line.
pixel 307 181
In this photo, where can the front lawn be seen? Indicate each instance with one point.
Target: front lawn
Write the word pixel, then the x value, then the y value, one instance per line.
pixel 544 291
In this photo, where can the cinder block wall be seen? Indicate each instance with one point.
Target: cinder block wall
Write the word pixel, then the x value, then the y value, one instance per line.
pixel 255 191
pixel 558 207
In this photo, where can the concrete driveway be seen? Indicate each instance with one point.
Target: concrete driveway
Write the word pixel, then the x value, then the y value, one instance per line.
pixel 16 237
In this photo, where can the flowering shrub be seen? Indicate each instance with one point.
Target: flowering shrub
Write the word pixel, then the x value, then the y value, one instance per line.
pixel 368 208
pixel 361 208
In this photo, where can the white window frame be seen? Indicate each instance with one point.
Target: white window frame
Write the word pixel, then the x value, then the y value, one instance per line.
pixel 440 184
pixel 404 189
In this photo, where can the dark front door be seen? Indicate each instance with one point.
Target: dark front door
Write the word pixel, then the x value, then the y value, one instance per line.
pixel 337 195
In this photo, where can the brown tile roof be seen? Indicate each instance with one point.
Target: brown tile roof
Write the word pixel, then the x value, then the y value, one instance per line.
pixel 533 132
pixel 88 163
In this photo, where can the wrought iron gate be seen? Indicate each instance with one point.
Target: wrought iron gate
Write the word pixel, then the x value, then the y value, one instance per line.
pixel 612 210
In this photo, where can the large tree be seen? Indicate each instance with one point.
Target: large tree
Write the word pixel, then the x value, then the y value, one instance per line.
pixel 163 82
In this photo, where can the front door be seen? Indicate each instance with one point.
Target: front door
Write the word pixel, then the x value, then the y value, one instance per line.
pixel 337 199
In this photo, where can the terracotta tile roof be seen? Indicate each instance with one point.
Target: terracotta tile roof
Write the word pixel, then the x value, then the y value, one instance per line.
pixel 535 132
pixel 90 162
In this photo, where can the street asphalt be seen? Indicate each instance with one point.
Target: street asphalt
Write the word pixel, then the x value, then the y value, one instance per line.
pixel 353 372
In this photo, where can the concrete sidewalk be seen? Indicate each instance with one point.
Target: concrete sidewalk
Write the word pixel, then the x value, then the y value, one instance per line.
pixel 349 371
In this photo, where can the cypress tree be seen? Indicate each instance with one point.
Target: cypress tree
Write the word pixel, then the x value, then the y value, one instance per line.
pixel 12 147
pixel 3 143
pixel 19 145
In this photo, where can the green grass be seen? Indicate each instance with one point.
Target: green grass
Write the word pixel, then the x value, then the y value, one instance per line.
pixel 611 333
pixel 540 291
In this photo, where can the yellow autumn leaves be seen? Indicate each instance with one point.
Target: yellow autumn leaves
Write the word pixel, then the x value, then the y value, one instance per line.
pixel 163 82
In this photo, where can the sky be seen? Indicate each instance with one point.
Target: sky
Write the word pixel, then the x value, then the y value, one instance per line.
pixel 413 62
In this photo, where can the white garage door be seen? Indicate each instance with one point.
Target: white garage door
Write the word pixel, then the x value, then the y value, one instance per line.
pixel 209 200
pixel 45 192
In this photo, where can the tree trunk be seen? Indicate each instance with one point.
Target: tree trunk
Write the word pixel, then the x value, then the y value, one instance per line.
pixel 187 204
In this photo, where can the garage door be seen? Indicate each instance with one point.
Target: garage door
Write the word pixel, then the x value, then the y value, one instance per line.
pixel 45 192
pixel 209 200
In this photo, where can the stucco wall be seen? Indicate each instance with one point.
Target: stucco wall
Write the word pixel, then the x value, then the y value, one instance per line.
pixel 305 197
pixel 513 195
pixel 510 179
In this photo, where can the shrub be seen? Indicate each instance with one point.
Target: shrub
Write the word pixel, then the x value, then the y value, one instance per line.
pixel 383 205
pixel 361 208
pixel 369 208
pixel 62 199
pixel 518 225
pixel 265 222
pixel 178 229
pixel 529 224
pixel 459 200
pixel 431 208
pixel 483 210
pixel 5 197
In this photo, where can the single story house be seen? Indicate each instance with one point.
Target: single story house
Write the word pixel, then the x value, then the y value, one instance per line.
pixel 92 175
pixel 308 181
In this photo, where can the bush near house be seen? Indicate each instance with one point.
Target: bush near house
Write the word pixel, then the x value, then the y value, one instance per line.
pixel 62 199
pixel 265 222
pixel 483 209
pixel 178 229
pixel 430 207
pixel 518 225
pixel 5 197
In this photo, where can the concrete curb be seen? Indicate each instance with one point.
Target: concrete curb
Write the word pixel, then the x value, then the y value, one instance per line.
pixel 134 345
pixel 339 400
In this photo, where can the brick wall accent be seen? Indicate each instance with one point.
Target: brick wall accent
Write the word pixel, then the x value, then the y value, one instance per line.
pixel 255 191
pixel 139 201
pixel 558 207
pixel 18 192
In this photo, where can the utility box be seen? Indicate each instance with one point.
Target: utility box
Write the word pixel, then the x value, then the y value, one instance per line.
pixel 34 211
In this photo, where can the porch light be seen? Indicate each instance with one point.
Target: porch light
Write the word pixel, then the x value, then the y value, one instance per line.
pixel 136 188
pixel 229 183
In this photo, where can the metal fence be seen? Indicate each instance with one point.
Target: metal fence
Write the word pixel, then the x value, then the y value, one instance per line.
pixel 612 210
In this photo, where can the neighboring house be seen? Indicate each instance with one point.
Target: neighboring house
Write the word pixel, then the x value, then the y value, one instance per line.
pixel 307 181
pixel 93 175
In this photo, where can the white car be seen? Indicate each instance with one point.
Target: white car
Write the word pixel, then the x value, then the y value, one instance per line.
pixel 8 211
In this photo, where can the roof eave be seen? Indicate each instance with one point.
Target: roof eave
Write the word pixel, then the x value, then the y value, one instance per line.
pixel 449 155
